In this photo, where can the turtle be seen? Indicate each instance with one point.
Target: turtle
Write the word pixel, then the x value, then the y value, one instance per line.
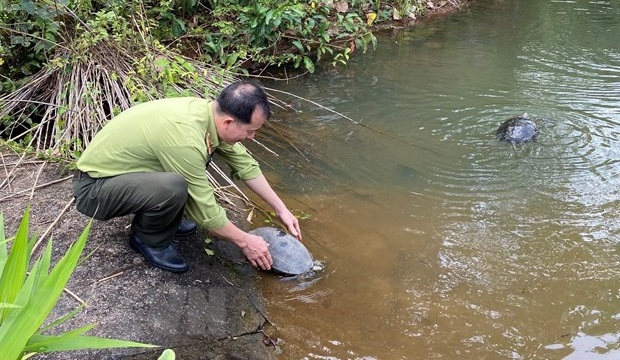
pixel 290 256
pixel 517 130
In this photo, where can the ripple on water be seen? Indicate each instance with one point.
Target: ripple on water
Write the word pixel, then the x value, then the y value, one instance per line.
pixel 465 247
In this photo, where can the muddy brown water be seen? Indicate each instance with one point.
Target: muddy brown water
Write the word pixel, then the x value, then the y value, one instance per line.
pixel 439 241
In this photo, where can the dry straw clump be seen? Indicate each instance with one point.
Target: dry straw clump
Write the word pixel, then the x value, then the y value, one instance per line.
pixel 96 69
pixel 89 78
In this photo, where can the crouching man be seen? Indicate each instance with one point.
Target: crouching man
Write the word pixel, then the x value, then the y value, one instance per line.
pixel 150 161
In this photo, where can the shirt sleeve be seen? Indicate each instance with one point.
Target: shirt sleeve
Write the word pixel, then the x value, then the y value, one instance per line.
pixel 243 165
pixel 189 161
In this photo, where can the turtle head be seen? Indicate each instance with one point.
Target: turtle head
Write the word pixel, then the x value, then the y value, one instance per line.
pixel 525 116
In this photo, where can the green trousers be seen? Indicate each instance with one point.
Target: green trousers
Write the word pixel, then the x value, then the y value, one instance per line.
pixel 157 201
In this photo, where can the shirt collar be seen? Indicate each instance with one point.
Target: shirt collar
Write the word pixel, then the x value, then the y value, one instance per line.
pixel 211 139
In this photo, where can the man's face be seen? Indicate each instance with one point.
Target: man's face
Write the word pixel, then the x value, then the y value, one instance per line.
pixel 235 131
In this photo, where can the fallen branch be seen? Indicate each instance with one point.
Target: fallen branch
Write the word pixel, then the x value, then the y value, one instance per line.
pixel 11 173
pixel 51 226
pixel 36 188
pixel 29 162
pixel 110 277
pixel 36 180
pixel 6 171
pixel 75 296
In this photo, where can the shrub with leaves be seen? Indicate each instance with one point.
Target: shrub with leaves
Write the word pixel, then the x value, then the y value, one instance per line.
pixel 24 47
pixel 101 62
pixel 28 297
pixel 275 33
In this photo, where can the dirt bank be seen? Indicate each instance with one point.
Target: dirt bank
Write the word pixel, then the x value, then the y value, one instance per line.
pixel 214 311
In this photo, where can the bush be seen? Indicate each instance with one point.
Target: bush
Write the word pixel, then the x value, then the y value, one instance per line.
pixel 275 33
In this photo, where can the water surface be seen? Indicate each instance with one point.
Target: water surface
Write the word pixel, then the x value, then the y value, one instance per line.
pixel 439 241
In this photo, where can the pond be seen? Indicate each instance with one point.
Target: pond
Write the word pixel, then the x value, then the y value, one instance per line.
pixel 438 240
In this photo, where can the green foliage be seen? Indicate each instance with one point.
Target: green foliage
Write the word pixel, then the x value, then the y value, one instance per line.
pixel 236 35
pixel 270 215
pixel 276 33
pixel 106 59
pixel 409 8
pixel 67 66
pixel 168 354
pixel 26 45
pixel 28 297
pixel 207 246
pixel 170 16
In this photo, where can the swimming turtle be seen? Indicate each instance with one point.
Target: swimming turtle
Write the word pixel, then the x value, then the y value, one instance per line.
pixel 517 129
pixel 290 256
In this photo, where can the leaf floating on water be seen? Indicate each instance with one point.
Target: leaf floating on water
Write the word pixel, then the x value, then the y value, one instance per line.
pixel 209 252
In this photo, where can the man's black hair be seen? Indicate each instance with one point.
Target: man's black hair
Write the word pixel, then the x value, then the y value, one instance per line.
pixel 241 98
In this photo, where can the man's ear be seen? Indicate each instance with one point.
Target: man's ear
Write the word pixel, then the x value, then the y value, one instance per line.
pixel 228 121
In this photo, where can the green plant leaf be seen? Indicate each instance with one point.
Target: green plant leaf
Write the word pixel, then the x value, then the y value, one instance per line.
pixel 309 64
pixel 14 271
pixel 41 343
pixel 66 317
pixel 86 342
pixel 3 251
pixel 168 354
pixel 7 305
pixel 231 60
pixel 37 273
pixel 298 45
pixel 36 294
pixel 268 16
pixel 21 324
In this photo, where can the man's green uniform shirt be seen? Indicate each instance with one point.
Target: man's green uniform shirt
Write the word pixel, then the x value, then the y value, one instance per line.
pixel 169 135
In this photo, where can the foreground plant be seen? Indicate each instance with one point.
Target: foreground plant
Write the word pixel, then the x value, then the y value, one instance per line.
pixel 28 297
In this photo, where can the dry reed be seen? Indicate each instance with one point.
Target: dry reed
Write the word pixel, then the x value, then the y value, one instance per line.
pixel 60 109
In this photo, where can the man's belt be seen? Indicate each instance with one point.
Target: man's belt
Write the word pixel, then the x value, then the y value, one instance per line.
pixel 77 174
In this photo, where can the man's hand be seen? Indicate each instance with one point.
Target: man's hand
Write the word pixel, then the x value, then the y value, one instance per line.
pixel 253 246
pixel 262 188
pixel 257 252
pixel 290 221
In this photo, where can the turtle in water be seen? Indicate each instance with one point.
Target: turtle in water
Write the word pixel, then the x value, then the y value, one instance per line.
pixel 290 256
pixel 517 130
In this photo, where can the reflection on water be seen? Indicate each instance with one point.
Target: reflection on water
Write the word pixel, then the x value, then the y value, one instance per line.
pixel 444 243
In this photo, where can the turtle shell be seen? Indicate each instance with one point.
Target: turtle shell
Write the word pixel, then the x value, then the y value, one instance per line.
pixel 517 130
pixel 290 256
